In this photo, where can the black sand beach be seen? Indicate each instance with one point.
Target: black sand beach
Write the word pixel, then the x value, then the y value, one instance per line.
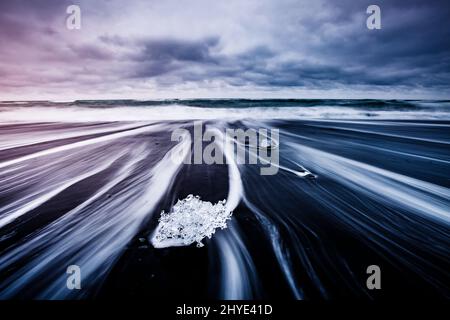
pixel 91 194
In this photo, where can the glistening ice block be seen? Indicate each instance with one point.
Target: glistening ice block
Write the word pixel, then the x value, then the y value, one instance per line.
pixel 190 220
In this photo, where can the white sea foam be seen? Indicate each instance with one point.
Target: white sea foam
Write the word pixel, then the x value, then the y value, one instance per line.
pixel 79 144
pixel 181 112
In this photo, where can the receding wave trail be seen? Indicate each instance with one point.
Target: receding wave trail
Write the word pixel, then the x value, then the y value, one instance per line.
pixel 348 194
pixel 238 273
pixel 20 137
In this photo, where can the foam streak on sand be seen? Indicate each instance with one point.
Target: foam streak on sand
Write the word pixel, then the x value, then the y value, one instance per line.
pixel 41 195
pixel 238 273
pixel 49 133
pixel 79 144
pixel 418 196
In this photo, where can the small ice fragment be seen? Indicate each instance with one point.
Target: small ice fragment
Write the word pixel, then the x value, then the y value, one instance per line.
pixel 264 143
pixel 267 144
pixel 304 173
pixel 190 220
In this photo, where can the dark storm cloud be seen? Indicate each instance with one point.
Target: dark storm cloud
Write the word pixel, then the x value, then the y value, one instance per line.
pixel 159 57
pixel 411 49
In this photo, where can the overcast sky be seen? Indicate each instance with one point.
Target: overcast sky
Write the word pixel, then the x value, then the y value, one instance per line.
pixel 233 48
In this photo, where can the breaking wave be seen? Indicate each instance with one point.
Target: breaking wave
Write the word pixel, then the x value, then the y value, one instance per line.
pixel 87 111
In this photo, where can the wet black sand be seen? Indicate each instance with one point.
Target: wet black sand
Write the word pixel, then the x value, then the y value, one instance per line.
pixel 324 231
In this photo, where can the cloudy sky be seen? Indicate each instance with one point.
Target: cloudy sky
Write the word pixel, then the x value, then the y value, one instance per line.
pixel 234 48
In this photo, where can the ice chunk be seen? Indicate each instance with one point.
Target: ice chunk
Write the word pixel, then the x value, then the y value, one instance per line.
pixel 189 221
